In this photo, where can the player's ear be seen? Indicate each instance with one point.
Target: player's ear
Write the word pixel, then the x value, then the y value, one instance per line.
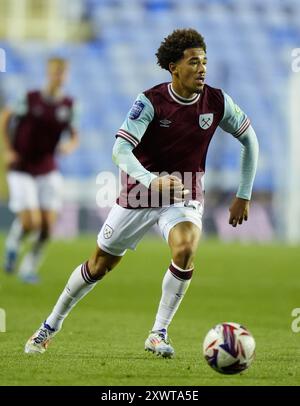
pixel 173 68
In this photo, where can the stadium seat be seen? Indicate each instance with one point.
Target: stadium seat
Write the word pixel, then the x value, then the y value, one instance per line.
pixel 108 72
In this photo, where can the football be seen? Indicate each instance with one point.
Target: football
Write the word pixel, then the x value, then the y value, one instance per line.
pixel 229 348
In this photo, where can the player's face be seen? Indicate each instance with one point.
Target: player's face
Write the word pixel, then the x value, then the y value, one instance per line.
pixel 188 74
pixel 57 73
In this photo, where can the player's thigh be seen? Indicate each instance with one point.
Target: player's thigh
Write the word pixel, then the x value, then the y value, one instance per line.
pixel 23 192
pixel 183 242
pixel 50 190
pixel 124 228
pixel 181 222
pixel 184 236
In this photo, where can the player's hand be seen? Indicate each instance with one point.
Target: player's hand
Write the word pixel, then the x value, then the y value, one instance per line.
pixel 171 185
pixel 66 148
pixel 11 156
pixel 239 211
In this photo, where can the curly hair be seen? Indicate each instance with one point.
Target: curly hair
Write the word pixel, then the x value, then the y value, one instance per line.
pixel 173 46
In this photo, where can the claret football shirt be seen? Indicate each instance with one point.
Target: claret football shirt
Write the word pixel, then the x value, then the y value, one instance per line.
pixel 171 134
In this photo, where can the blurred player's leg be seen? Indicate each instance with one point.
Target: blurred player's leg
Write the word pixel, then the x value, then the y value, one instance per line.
pixel 23 201
pixel 26 222
pixel 31 221
pixel 49 195
pixel 80 283
pixel 31 262
pixel 183 240
pixel 12 245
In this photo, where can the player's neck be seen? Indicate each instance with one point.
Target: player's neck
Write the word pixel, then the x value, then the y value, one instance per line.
pixel 53 91
pixel 181 92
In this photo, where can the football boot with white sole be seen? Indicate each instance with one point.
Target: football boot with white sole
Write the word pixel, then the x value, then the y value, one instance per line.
pixel 158 344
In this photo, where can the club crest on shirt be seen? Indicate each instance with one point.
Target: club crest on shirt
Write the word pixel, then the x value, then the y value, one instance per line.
pixel 206 120
pixel 107 232
pixel 136 110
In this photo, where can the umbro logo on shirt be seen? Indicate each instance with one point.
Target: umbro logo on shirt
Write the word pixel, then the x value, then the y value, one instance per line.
pixel 165 123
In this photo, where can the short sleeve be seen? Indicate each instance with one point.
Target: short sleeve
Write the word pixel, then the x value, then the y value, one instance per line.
pixel 234 120
pixel 137 120
pixel 75 114
pixel 20 106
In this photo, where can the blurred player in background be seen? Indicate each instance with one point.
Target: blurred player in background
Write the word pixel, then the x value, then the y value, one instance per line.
pixel 168 130
pixel 32 132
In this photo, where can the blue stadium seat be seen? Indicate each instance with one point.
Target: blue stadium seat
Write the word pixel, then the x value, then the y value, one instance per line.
pixel 246 43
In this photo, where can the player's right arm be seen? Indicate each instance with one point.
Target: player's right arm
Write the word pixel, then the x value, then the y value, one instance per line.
pixel 128 138
pixel 19 109
pixel 10 155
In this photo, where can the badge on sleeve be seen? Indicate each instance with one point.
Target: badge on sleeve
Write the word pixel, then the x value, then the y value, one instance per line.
pixel 136 110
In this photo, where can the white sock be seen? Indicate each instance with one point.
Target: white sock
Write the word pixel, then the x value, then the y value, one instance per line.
pixel 14 236
pixel 175 283
pixel 79 284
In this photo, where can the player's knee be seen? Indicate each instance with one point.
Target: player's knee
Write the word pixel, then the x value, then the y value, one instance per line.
pixel 183 255
pixel 184 250
pixel 26 226
pixel 36 224
pixel 31 224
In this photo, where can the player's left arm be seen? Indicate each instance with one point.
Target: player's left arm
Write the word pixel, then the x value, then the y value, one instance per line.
pixel 67 147
pixel 237 123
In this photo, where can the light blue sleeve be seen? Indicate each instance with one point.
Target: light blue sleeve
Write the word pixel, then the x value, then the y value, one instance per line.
pixel 234 120
pixel 124 158
pixel 137 120
pixel 19 106
pixel 249 158
pixel 75 116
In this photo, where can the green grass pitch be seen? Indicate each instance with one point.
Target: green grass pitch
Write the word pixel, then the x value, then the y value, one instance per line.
pixel 102 340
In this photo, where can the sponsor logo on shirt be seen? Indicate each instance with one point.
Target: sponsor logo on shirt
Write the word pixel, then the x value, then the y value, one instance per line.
pixel 165 123
pixel 206 120
pixel 136 110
